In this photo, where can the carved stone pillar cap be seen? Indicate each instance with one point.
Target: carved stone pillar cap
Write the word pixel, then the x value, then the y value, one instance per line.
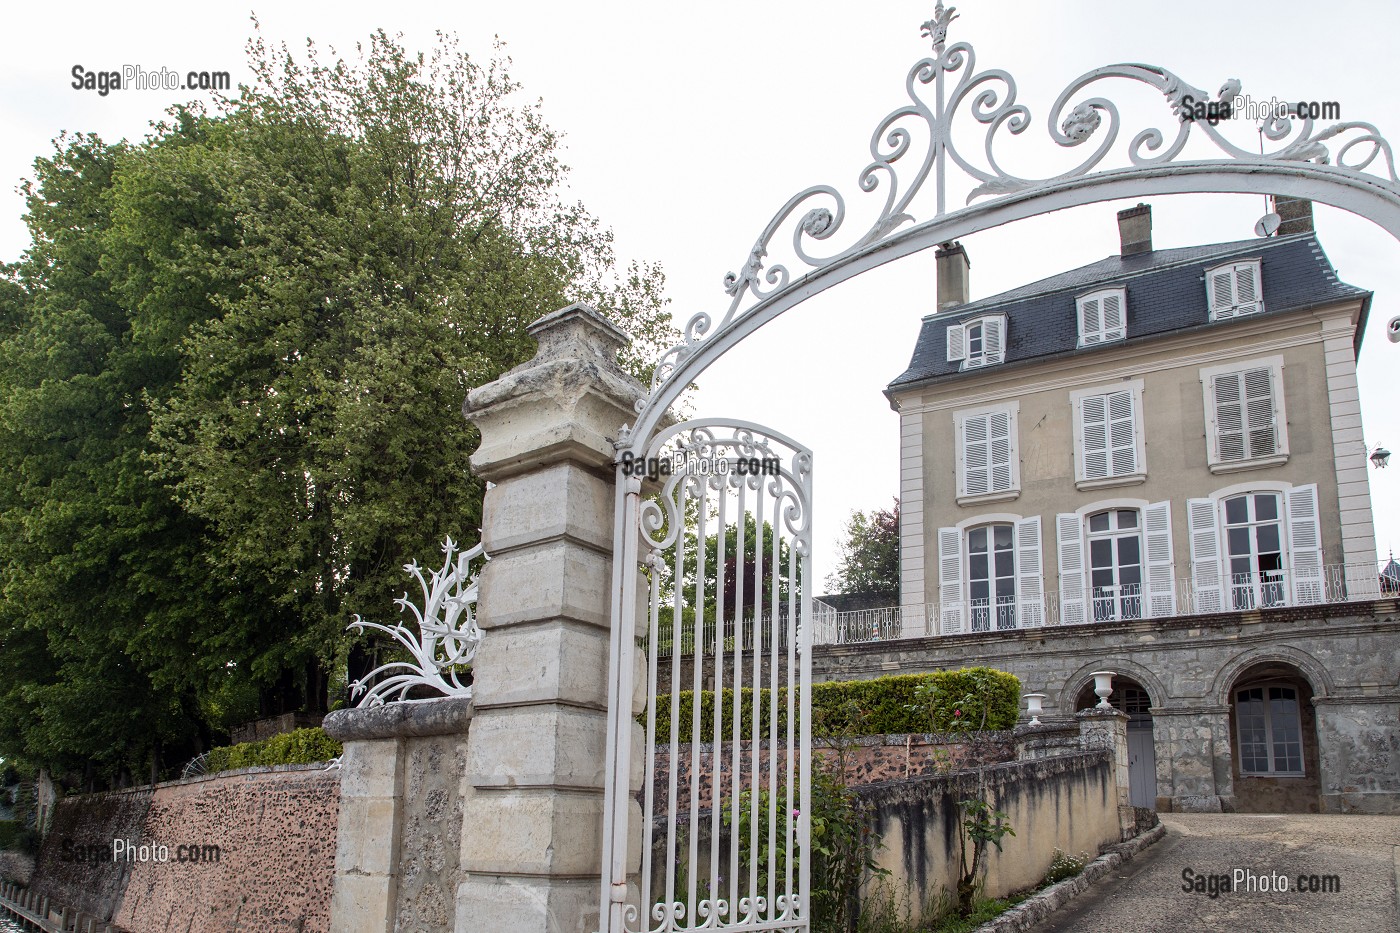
pixel 568 402
pixel 578 326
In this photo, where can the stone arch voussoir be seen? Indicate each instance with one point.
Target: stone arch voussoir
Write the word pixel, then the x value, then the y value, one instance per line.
pixel 1311 668
pixel 1156 690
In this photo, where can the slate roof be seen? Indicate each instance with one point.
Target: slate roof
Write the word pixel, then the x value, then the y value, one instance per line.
pixel 1165 291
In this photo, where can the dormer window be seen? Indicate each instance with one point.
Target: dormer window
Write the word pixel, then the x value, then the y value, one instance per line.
pixel 978 341
pixel 1234 290
pixel 1103 316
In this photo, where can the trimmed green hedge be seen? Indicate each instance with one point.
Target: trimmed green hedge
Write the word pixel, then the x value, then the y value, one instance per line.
pixel 298 747
pixel 944 701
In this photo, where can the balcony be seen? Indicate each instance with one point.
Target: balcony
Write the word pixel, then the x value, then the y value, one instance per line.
pixel 1339 583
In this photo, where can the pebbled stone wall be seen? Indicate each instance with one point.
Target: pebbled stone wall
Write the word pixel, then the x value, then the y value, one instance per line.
pixel 72 868
pixel 275 830
pixel 275 833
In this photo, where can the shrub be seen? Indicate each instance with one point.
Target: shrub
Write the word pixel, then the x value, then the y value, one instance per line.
pixel 939 702
pixel 1064 866
pixel 298 747
pixel 973 699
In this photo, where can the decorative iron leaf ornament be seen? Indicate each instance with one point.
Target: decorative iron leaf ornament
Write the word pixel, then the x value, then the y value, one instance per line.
pixel 447 634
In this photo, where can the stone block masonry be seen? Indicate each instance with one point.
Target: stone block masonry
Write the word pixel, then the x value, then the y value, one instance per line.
pixel 1340 658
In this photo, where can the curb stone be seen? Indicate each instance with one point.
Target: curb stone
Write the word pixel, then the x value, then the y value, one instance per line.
pixel 1041 905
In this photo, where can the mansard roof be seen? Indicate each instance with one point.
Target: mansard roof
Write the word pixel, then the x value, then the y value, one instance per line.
pixel 1165 294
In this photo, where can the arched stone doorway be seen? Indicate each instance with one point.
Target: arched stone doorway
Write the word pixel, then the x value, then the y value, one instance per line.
pixel 1131 697
pixel 1273 740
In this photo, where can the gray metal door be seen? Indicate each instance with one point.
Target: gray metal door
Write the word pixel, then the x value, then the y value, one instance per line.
pixel 1142 765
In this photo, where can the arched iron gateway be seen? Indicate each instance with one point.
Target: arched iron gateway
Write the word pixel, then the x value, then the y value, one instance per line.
pixel 722 816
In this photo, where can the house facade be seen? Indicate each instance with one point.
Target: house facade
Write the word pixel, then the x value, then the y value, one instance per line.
pixel 1118 467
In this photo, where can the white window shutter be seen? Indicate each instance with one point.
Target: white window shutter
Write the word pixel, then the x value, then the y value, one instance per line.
pixel 1090 321
pixel 1247 292
pixel 1305 545
pixel 1229 435
pixel 1260 430
pixel 1000 451
pixel 1122 433
pixel 994 339
pixel 1206 582
pixel 957 343
pixel 975 456
pixel 1114 320
pixel 1220 288
pixel 1161 570
pixel 1070 541
pixel 950 580
pixel 1093 433
pixel 1030 574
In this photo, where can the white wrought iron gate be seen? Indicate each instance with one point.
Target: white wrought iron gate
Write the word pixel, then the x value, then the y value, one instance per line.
pixel 711 584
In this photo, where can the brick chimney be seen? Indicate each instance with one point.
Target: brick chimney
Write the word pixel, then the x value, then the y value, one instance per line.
pixel 1135 230
pixel 951 265
pixel 1295 214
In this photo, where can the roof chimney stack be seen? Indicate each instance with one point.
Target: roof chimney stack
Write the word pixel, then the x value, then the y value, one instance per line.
pixel 1135 230
pixel 951 265
pixel 1295 214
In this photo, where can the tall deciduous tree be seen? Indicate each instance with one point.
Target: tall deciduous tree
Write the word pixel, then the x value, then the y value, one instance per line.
pixel 869 554
pixel 231 372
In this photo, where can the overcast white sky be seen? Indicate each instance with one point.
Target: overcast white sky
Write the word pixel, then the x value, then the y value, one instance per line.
pixel 688 125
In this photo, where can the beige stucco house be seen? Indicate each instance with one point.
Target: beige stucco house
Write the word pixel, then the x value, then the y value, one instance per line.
pixel 1154 464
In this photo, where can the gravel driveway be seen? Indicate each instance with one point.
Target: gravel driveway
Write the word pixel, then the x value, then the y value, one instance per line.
pixel 1359 856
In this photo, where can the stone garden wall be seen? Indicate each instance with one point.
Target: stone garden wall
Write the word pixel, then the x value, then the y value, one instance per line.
pixel 1065 801
pixel 274 829
pixel 868 760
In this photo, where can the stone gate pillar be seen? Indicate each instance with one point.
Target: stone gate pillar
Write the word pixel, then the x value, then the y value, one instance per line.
pixel 532 833
pixel 1107 729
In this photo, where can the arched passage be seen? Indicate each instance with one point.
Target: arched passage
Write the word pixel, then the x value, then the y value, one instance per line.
pixel 1131 698
pixel 1273 739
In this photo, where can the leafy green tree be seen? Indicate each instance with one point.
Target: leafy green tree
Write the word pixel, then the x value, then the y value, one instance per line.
pixel 232 364
pixel 400 224
pixel 869 554
pixel 105 595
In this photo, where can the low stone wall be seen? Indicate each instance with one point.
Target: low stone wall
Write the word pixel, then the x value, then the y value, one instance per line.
pixel 274 725
pixel 275 832
pixel 274 829
pixel 1067 802
pixel 868 760
pixel 74 867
